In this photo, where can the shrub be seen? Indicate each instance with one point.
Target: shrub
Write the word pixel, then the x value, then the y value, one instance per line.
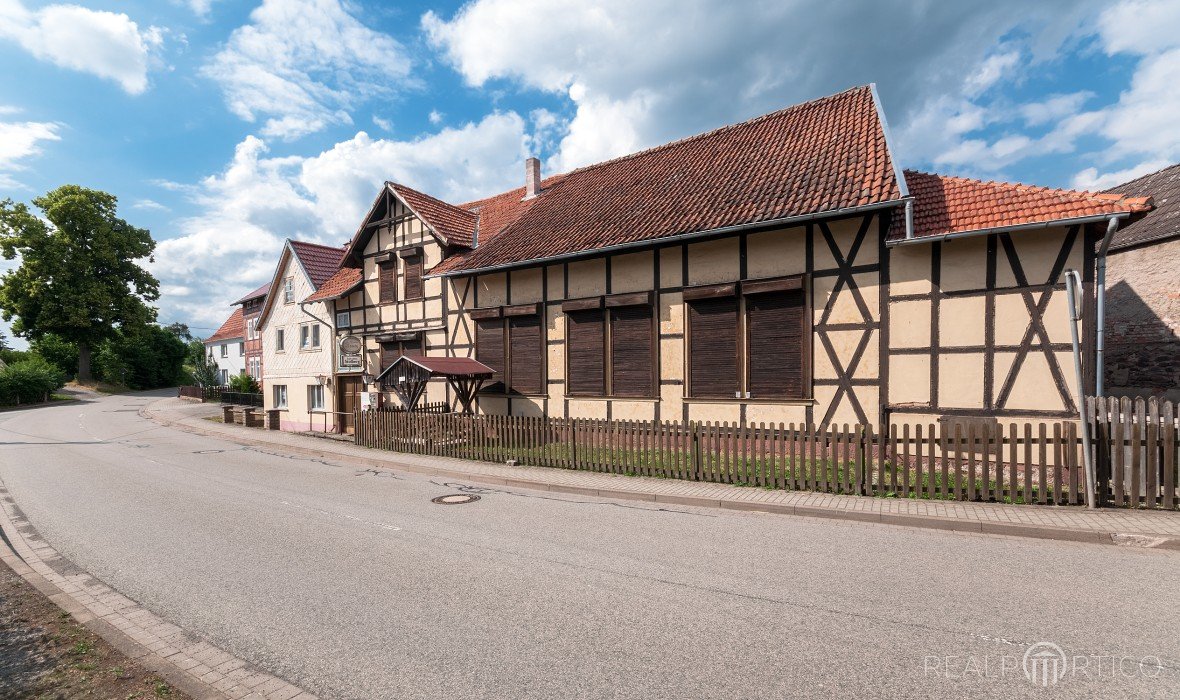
pixel 29 381
pixel 243 383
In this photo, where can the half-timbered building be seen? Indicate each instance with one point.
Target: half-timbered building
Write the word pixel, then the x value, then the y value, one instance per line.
pixel 781 269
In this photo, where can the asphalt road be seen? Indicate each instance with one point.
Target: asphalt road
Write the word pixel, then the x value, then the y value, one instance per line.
pixel 354 585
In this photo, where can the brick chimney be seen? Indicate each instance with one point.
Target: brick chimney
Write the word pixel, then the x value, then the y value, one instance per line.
pixel 532 178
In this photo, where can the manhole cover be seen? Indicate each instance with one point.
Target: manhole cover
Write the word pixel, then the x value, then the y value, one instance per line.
pixel 455 499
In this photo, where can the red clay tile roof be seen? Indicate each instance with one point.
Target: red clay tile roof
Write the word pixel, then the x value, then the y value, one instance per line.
pixel 234 327
pixel 320 261
pixel 456 226
pixel 260 292
pixel 946 204
pixel 819 156
pixel 345 280
pixel 1164 221
pixel 497 211
pixel 444 366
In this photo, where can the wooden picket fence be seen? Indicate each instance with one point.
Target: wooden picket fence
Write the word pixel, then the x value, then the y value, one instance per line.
pixel 1028 463
pixel 1136 449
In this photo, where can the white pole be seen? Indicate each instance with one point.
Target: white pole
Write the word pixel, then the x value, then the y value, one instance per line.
pixel 1073 283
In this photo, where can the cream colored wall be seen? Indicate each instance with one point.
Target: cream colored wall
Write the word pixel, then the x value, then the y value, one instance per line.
pixel 294 367
pixel 961 323
pixel 770 254
pixel 431 315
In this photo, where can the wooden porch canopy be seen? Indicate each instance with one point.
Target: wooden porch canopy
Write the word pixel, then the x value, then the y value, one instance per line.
pixel 410 373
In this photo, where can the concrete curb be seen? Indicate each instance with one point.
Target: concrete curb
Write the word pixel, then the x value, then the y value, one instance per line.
pixel 194 667
pixel 905 520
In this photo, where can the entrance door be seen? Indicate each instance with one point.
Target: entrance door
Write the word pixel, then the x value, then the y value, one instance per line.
pixel 348 399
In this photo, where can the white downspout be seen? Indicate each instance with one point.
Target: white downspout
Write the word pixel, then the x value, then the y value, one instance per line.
pixel 1073 283
pixel 1100 357
pixel 909 219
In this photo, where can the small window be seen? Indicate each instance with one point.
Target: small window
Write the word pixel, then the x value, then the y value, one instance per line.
pixel 279 339
pixel 241 349
pixel 315 397
pixel 280 395
pixel 343 319
pixel 224 350
pixel 288 291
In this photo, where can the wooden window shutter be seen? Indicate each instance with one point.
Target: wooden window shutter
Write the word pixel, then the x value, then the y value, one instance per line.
pixel 713 347
pixel 776 324
pixel 632 370
pixel 489 349
pixel 525 354
pixel 414 277
pixel 389 354
pixel 387 281
pixel 586 352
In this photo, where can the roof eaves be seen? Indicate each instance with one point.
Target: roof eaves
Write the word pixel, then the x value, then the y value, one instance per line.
pixel 932 238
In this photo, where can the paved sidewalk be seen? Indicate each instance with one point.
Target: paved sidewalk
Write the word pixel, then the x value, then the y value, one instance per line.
pixel 1105 526
pixel 190 664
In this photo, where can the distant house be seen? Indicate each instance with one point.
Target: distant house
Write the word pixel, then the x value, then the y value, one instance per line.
pixel 1143 304
pixel 297 335
pixel 251 305
pixel 227 347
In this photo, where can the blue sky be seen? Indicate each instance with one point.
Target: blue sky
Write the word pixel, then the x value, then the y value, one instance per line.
pixel 225 126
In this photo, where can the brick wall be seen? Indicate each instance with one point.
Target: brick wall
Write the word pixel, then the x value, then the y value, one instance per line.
pixel 1143 321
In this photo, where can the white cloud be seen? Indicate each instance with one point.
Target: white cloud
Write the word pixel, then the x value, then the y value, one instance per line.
pixel 1091 179
pixel 149 205
pixel 640 74
pixel 436 116
pixel 304 65
pixel 107 44
pixel 1054 107
pixel 200 8
pixel 383 124
pixel 19 141
pixel 259 200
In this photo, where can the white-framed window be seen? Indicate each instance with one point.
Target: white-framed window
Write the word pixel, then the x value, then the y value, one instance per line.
pixel 309 336
pixel 241 349
pixel 343 319
pixel 252 329
pixel 289 290
pixel 279 392
pixel 315 397
pixel 224 350
pixel 280 339
pixel 224 381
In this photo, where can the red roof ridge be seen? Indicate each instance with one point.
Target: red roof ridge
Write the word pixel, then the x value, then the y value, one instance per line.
pixel 678 142
pixel 810 104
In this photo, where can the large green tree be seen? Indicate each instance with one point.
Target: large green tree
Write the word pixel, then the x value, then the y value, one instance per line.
pixel 78 277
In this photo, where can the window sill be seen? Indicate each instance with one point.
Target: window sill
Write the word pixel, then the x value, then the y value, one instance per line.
pixel 600 397
pixel 310 349
pixel 772 401
pixel 511 396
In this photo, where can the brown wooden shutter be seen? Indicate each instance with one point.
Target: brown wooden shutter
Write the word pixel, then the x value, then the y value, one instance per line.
pixel 389 354
pixel 776 352
pixel 631 357
pixel 525 354
pixel 489 349
pixel 387 281
pixel 414 277
pixel 713 347
pixel 586 348
pixel 412 346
